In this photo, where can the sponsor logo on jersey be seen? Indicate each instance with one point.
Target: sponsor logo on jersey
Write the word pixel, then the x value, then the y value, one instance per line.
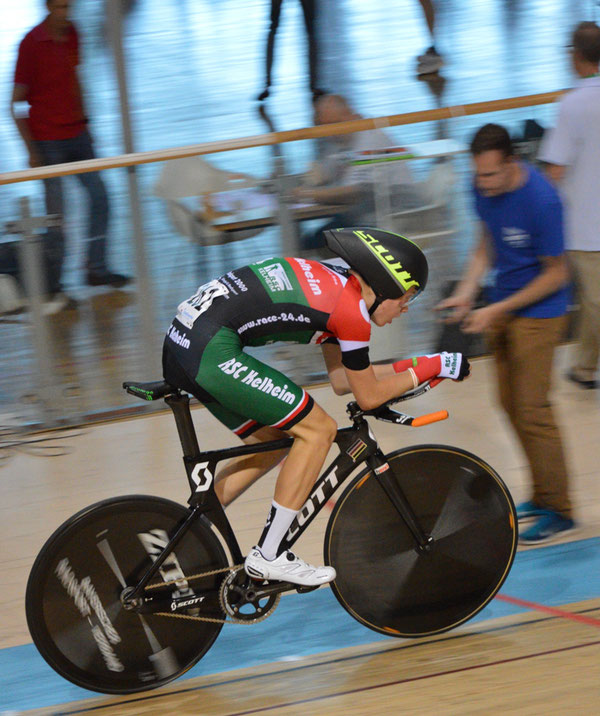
pixel 237 281
pixel 179 338
pixel 516 237
pixel 275 277
pixel 391 263
pixel 284 316
pixel 313 282
pixel 251 377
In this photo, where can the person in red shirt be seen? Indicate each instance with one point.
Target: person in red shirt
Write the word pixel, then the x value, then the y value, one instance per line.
pixel 54 130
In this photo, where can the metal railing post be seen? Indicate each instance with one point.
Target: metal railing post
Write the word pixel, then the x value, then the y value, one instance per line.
pixel 31 266
pixel 144 293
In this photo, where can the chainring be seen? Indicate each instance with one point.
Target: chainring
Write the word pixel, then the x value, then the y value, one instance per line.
pixel 237 601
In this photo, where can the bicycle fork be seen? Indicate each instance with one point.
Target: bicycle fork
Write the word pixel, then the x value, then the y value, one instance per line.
pixel 384 475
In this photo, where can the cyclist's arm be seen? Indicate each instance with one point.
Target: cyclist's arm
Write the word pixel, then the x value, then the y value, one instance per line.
pixel 372 386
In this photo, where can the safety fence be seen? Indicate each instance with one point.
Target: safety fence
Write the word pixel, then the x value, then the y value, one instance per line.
pixel 183 219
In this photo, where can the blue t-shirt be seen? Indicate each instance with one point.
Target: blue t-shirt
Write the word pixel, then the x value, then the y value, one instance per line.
pixel 525 225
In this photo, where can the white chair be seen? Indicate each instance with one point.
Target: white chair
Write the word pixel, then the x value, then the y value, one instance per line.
pixel 427 206
pixel 195 177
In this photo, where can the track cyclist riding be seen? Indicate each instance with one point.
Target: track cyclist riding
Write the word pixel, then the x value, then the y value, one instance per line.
pixel 302 301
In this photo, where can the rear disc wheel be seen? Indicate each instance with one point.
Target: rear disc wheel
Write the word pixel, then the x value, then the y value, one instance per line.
pixel 73 601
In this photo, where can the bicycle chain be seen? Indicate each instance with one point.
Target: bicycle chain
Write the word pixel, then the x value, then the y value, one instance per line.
pixel 212 620
pixel 193 576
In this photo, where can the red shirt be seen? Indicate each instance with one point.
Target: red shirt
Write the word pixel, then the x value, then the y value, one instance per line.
pixel 48 69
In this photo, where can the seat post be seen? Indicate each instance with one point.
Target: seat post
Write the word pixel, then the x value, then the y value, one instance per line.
pixel 180 405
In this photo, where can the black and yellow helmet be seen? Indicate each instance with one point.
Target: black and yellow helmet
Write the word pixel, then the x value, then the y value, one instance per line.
pixel 389 263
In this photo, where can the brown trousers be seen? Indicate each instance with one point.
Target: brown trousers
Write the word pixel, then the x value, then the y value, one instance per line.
pixel 524 351
pixel 586 269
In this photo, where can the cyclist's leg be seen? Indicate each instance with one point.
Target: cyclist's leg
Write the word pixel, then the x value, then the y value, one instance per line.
pixel 313 436
pixel 241 384
pixel 236 476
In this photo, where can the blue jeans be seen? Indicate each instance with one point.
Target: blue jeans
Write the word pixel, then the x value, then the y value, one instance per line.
pixel 58 151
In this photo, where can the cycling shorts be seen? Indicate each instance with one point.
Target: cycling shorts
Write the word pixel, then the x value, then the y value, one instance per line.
pixel 241 391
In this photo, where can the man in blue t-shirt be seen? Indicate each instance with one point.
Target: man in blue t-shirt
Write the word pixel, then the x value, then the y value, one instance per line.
pixel 521 240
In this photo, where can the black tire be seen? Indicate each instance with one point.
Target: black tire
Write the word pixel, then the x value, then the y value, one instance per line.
pixel 95 642
pixel 389 586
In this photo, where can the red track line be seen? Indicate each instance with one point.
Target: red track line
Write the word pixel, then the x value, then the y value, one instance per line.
pixel 549 610
pixel 413 678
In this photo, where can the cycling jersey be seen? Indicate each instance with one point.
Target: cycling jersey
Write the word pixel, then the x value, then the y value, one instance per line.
pixel 278 299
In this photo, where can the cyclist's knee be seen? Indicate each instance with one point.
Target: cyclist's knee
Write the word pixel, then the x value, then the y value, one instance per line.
pixel 317 427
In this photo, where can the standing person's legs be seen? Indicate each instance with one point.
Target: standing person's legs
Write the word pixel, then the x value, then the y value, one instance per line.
pixel 586 265
pixel 497 339
pixel 308 8
pixel 430 61
pixel 53 152
pixel 80 149
pixel 429 13
pixel 531 345
pixel 275 14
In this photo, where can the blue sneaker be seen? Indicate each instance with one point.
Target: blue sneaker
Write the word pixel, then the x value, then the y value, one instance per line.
pixel 549 525
pixel 529 509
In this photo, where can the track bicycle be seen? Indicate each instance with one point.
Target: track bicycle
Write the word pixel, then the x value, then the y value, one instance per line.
pixel 132 591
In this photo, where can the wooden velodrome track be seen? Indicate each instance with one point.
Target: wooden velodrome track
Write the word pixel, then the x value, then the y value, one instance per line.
pixel 535 649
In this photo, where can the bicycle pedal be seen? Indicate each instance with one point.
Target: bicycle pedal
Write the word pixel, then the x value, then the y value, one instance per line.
pixel 301 590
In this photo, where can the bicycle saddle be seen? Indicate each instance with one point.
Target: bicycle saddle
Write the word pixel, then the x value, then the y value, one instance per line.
pixel 149 391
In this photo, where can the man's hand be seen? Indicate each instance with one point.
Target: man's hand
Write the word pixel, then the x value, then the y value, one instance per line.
pixel 455 307
pixel 34 159
pixel 483 318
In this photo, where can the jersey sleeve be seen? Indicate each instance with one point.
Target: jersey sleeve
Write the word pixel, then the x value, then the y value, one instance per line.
pixel 24 67
pixel 549 237
pixel 350 324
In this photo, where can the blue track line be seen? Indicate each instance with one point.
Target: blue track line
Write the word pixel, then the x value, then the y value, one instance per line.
pixel 314 623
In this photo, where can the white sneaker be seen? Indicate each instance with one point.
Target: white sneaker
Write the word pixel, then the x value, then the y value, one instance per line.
pixel 287 568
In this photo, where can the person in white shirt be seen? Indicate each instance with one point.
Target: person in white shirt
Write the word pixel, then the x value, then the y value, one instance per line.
pixel 572 152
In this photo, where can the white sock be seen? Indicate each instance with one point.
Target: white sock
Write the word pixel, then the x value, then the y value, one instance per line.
pixel 278 522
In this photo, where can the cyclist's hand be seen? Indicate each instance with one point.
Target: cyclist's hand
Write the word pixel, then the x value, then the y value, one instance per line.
pixel 455 366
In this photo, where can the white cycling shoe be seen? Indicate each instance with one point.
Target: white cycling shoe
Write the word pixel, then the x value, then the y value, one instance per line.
pixel 287 568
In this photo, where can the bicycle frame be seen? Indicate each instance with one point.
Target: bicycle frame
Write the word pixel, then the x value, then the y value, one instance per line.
pixel 356 443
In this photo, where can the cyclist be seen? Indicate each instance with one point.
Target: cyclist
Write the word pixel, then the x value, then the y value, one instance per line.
pixel 302 301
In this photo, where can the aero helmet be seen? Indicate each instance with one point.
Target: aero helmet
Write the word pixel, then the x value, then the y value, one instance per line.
pixel 389 263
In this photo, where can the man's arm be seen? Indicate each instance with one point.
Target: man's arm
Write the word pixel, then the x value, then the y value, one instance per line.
pixel 555 172
pixel 554 275
pixel 19 96
pixel 464 294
